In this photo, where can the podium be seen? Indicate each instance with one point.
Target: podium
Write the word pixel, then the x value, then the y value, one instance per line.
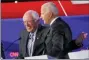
pixel 84 54
pixel 40 57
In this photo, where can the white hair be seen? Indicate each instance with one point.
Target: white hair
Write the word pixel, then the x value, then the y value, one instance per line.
pixel 34 14
pixel 51 6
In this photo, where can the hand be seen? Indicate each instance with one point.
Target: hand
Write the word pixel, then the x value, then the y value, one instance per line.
pixel 82 36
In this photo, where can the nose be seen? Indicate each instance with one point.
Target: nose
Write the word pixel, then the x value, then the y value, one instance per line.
pixel 28 24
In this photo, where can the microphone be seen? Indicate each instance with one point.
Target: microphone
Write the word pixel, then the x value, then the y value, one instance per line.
pixel 2 52
pixel 88 46
pixel 12 43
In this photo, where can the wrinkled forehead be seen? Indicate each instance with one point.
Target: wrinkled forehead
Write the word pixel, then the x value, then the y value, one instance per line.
pixel 27 17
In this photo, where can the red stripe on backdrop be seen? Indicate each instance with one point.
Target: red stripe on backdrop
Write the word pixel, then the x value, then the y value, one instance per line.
pixel 75 9
pixel 13 10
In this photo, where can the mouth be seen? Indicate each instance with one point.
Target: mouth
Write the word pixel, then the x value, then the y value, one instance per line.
pixel 28 27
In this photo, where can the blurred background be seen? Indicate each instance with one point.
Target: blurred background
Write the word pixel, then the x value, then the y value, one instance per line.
pixel 75 13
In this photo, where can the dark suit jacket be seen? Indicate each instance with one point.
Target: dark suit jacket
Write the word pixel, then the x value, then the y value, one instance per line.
pixel 58 41
pixel 38 45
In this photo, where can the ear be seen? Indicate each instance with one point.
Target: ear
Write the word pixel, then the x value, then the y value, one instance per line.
pixel 50 14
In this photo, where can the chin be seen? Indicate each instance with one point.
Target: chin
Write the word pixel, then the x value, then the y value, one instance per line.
pixel 28 30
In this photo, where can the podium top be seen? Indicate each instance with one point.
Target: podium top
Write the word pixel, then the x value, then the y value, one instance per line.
pixel 84 54
pixel 40 57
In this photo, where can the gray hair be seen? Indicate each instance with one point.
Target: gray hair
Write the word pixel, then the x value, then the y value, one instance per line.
pixel 34 14
pixel 51 6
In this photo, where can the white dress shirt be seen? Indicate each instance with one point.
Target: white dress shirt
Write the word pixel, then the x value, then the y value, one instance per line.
pixel 53 20
pixel 31 42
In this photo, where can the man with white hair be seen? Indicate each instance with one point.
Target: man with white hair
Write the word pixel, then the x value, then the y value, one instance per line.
pixel 33 37
pixel 31 42
pixel 58 41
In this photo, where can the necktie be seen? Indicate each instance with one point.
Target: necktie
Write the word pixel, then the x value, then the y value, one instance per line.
pixel 30 44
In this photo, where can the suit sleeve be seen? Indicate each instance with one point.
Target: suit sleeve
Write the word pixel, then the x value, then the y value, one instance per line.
pixel 57 45
pixel 60 41
pixel 72 46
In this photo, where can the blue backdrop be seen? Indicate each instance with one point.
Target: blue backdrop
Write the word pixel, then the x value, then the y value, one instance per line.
pixel 11 28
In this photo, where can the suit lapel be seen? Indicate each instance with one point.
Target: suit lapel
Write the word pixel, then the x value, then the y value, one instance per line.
pixel 38 40
pixel 50 31
pixel 56 22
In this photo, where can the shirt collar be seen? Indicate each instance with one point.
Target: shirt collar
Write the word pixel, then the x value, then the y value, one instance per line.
pixel 34 33
pixel 53 20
